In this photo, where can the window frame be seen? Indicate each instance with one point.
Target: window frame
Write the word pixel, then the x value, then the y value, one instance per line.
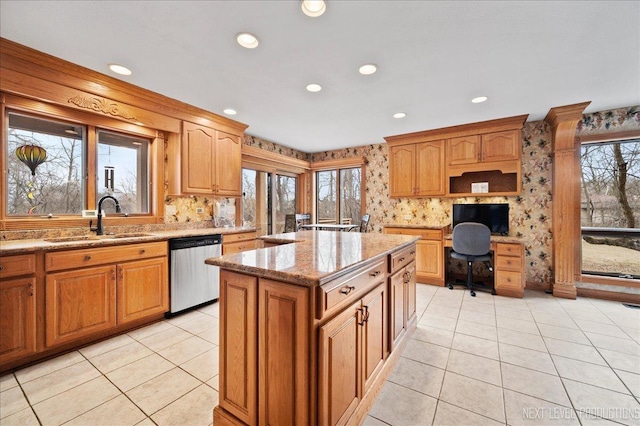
pixel 338 165
pixel 91 122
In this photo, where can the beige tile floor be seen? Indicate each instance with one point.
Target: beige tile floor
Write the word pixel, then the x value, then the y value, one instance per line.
pixel 484 360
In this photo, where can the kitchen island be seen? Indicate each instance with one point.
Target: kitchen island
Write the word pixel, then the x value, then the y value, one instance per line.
pixel 311 326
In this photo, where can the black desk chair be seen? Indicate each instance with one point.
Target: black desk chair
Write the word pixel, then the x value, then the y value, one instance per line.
pixel 290 223
pixel 472 243
pixel 302 219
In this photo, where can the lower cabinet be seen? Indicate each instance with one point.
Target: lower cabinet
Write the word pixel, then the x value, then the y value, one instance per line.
pixel 429 252
pixel 403 301
pixel 117 285
pixel 509 269
pixel 17 318
pixel 234 243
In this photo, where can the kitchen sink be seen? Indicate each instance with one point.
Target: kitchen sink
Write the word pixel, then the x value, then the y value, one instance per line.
pixel 72 239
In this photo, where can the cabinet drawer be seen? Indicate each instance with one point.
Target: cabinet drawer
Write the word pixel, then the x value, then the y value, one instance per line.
pixel 228 248
pixel 508 280
pixel 504 249
pixel 243 236
pixel 425 234
pixel 20 264
pixel 402 258
pixel 347 289
pixel 70 259
pixel 512 263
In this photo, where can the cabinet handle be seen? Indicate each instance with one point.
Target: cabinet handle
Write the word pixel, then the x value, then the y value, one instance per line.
pixel 374 274
pixel 30 290
pixel 401 259
pixel 364 315
pixel 412 253
pixel 120 273
pixel 348 289
pixel 142 251
pixel 87 257
pixel 1 267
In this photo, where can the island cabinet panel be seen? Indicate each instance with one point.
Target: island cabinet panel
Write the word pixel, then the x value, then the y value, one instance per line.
pixel 239 345
pixel 80 303
pixel 403 302
pixel 374 333
pixel 283 353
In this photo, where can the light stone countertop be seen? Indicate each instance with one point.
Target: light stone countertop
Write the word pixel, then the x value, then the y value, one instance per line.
pixel 313 257
pixel 409 226
pixel 29 246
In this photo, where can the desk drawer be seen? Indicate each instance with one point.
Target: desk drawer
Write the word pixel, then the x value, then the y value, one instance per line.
pixel 347 289
pixel 402 258
pixel 70 259
pixel 508 280
pixel 505 249
pixel 510 263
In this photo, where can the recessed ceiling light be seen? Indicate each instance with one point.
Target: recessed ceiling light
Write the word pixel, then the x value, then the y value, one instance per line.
pixel 119 69
pixel 313 8
pixel 479 99
pixel 313 87
pixel 399 115
pixel 368 69
pixel 247 40
pixel 230 111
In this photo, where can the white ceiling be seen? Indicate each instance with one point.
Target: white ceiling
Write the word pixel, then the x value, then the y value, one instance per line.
pixel 433 57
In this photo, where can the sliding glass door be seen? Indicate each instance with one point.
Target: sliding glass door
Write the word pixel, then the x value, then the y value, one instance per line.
pixel 267 198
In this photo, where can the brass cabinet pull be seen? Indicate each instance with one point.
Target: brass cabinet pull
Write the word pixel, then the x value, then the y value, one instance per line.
pixel 348 289
pixel 375 273
pixel 401 259
pixel 364 315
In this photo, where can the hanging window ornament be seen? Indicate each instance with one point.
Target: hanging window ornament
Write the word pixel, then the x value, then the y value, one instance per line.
pixel 32 156
pixel 109 175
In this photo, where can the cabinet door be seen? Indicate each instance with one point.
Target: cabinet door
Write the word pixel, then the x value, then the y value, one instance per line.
pixel 283 348
pixel 374 333
pixel 228 164
pixel 501 146
pixel 238 345
pixel 402 170
pixel 198 145
pixel 80 303
pixel 463 150
pixel 429 260
pixel 430 168
pixel 142 289
pixel 17 318
pixel 397 304
pixel 339 365
pixel 410 295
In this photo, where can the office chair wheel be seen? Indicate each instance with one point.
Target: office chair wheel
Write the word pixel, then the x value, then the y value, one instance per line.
pixel 450 287
pixel 473 293
pixel 493 292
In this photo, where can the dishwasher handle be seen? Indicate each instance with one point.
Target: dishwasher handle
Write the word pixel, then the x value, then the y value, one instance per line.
pixel 191 242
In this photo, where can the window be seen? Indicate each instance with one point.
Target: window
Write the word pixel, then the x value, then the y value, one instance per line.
pixel 122 170
pixel 339 195
pixel 264 204
pixel 610 208
pixel 60 184
pixel 56 185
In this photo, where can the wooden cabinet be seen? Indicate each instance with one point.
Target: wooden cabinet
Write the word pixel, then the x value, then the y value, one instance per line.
pixel 429 253
pixel 448 161
pixel 296 354
pixel 416 170
pixel 234 243
pixel 211 161
pixel 17 307
pixel 484 148
pixel 509 269
pixel 89 291
pixel 402 304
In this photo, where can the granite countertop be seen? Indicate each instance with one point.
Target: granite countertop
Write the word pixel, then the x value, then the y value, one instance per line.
pixel 29 246
pixel 314 257
pixel 398 225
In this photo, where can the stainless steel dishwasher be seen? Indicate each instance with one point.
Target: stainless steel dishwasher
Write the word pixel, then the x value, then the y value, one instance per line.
pixel 193 282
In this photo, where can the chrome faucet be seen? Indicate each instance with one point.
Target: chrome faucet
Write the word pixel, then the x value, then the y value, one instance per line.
pixel 98 229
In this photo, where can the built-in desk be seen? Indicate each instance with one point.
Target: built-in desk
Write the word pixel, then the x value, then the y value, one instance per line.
pixel 508 264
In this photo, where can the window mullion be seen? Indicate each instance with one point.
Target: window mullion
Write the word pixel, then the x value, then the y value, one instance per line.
pixel 91 176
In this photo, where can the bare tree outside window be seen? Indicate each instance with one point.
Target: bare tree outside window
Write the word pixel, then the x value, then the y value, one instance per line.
pixel 610 206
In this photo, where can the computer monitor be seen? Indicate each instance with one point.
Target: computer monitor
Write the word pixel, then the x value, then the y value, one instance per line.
pixel 495 216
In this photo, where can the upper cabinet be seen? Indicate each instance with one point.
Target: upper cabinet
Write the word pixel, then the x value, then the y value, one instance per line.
pixel 417 169
pixel 210 161
pixel 477 159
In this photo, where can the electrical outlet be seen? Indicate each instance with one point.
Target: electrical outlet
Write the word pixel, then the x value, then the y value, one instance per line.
pixel 200 210
pixel 170 210
pixel 408 217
